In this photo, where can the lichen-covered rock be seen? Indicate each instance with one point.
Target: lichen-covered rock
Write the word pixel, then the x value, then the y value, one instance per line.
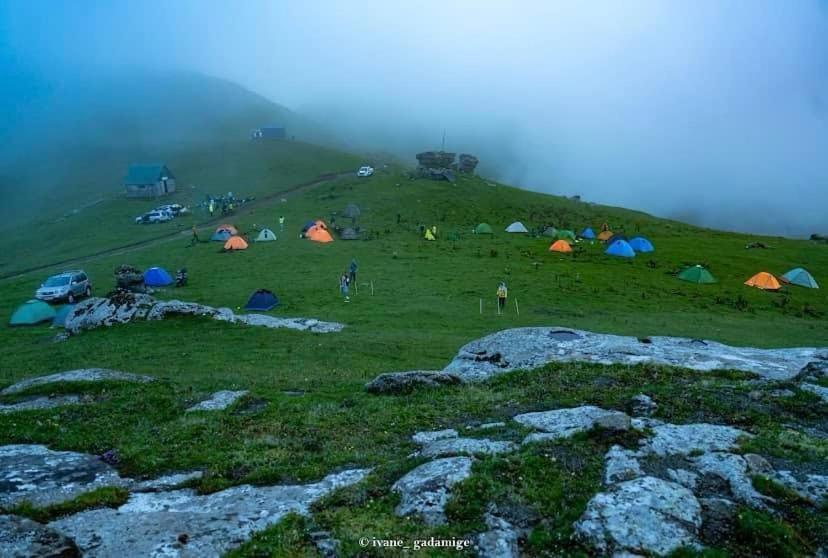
pixel 500 541
pixel 813 488
pixel 427 437
pixel 563 423
pixel 161 310
pixel 733 469
pixel 533 347
pixel 466 446
pixel 81 375
pixel 647 514
pixel 42 477
pixel 425 489
pixel 819 391
pixel 397 383
pixel 95 312
pixel 152 524
pixel 643 406
pixel 219 401
pixel 684 439
pixel 165 482
pixel 40 403
pixel 24 538
pixel 620 465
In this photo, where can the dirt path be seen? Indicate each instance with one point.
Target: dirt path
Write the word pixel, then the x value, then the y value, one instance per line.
pixel 177 235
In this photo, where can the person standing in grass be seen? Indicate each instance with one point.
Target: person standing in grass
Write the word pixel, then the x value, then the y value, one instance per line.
pixel 343 286
pixel 195 236
pixel 502 293
pixel 352 271
pixel 282 223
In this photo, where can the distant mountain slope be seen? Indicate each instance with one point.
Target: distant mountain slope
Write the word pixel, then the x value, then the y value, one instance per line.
pixel 67 142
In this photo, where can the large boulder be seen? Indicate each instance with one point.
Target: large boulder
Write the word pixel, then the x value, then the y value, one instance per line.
pixel 396 383
pixel 645 514
pixel 533 347
pixel 95 312
pixel 685 439
pixel 80 375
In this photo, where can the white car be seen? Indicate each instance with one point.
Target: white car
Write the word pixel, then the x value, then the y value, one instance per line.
pixel 173 208
pixel 365 171
pixel 154 216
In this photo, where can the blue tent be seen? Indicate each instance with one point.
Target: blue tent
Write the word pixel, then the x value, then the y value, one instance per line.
pixel 641 244
pixel 588 234
pixel 261 300
pixel 616 236
pixel 61 314
pixel 307 225
pixel 801 277
pixel 157 277
pixel 221 235
pixel 621 248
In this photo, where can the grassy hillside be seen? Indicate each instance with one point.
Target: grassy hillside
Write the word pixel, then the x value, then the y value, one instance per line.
pixel 425 305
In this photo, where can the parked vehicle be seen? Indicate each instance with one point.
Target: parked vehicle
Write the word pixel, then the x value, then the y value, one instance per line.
pixel 365 171
pixel 68 286
pixel 154 216
pixel 173 208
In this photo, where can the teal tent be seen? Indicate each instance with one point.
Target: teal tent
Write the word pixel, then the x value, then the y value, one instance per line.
pixel 550 232
pixel 61 315
pixel 801 277
pixel 565 235
pixel 483 228
pixel 696 274
pixel 32 312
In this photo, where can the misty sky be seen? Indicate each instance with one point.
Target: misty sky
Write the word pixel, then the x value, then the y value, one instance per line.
pixel 715 111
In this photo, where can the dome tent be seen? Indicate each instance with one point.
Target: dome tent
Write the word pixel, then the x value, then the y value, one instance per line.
pixel 801 277
pixel 265 235
pixel 696 274
pixel 564 234
pixel 318 234
pixel 221 235
pixel 620 248
pixel 235 243
pixel 641 244
pixel 229 228
pixel 560 246
pixel 517 227
pixel 157 277
pixel 551 232
pixel 588 234
pixel 262 300
pixel 765 281
pixel 32 312
pixel 483 228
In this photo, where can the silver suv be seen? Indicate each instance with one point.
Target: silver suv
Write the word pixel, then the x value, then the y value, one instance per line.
pixel 68 286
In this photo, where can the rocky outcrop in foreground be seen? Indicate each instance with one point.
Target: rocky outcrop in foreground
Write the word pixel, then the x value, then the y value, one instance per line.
pixel 123 307
pixel 533 347
pixel 157 520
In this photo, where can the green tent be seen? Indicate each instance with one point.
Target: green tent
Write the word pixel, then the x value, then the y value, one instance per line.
pixel 483 228
pixel 32 312
pixel 565 235
pixel 266 235
pixel 551 232
pixel 696 274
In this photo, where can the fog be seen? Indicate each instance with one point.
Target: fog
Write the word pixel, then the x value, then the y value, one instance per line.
pixel 711 111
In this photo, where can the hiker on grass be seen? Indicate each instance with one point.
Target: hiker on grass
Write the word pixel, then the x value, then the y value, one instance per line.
pixel 343 286
pixel 194 240
pixel 502 293
pixel 352 269
pixel 282 223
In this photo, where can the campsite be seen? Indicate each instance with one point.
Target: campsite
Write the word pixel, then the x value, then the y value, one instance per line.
pixel 521 365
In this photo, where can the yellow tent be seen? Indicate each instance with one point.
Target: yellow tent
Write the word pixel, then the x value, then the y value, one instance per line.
pixel 603 236
pixel 429 235
pixel 765 281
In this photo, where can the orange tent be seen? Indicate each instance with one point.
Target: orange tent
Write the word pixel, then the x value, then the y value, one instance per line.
pixel 765 281
pixel 229 228
pixel 235 243
pixel 318 234
pixel 560 246
pixel 603 236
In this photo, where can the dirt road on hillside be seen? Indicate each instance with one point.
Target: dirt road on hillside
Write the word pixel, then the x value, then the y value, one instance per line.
pixel 177 235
